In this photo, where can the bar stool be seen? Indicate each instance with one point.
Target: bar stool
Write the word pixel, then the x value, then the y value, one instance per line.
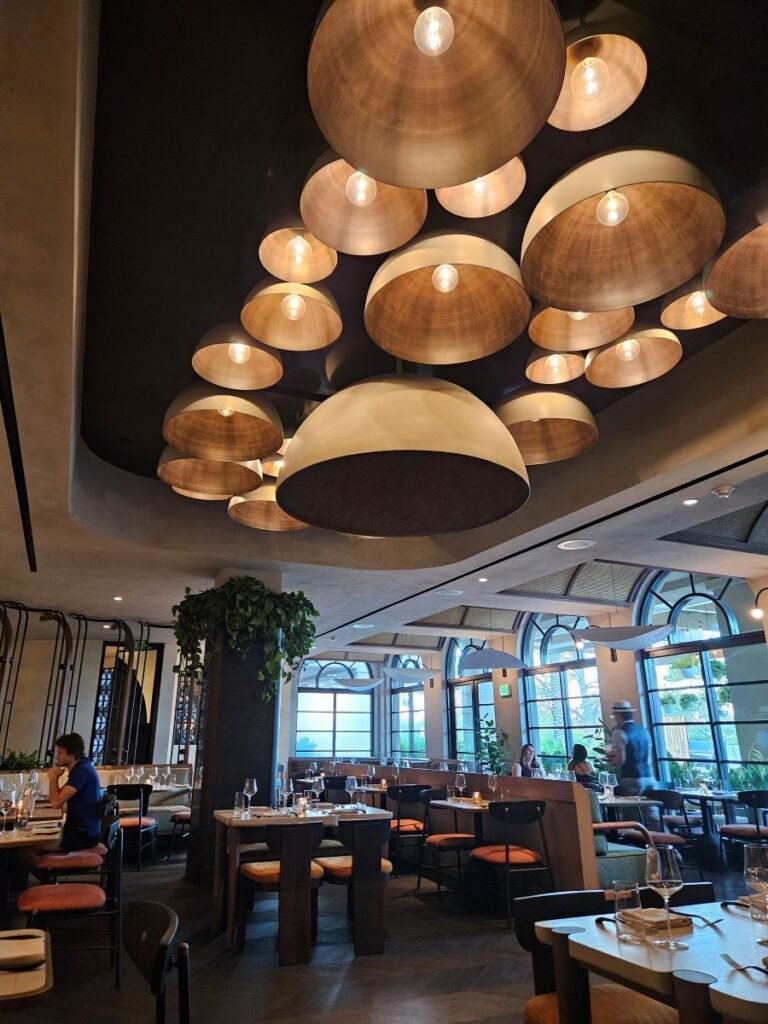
pixel 439 843
pixel 404 827
pixel 508 857
pixel 293 875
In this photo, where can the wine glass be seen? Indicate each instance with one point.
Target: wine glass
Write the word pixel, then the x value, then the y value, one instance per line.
pixel 312 768
pixel 7 803
pixel 350 785
pixel 756 872
pixel 572 776
pixel 316 789
pixel 493 784
pixel 611 782
pixel 396 769
pixel 250 788
pixel 461 783
pixel 662 874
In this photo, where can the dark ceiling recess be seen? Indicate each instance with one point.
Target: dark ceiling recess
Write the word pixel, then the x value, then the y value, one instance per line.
pixel 204 136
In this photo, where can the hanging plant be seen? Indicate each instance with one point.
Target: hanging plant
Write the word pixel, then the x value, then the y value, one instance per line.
pixel 246 611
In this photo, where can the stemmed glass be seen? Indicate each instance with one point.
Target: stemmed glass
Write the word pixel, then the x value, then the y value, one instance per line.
pixel 611 782
pixel 461 783
pixel 396 769
pixel 756 872
pixel 493 783
pixel 312 768
pixel 250 788
pixel 350 785
pixel 316 789
pixel 662 874
pixel 7 803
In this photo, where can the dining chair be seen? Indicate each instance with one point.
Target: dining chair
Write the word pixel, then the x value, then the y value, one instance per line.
pixel 508 857
pixel 334 790
pixel 141 825
pixel 49 904
pixel 404 827
pixel 148 933
pixel 295 877
pixel 756 801
pixel 682 841
pixel 439 843
pixel 180 830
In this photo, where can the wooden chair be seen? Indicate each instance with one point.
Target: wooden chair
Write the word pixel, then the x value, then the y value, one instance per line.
pixel 608 1002
pixel 508 857
pixel 363 871
pixel 756 801
pixel 403 827
pixel 140 825
pixel 293 875
pixel 439 843
pixel 48 905
pixel 148 932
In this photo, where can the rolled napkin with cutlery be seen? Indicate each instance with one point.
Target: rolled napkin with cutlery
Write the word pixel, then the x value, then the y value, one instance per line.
pixel 22 948
pixel 652 920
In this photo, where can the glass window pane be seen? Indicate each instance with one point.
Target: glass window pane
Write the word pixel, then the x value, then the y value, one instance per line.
pixel 464 719
pixel 465 742
pixel 485 692
pixel 315 701
pixel 741 664
pixel 678 705
pixel 685 741
pixel 462 696
pixel 546 713
pixel 544 685
pixel 353 742
pixel 353 702
pixel 353 723
pixel 417 700
pixel 548 741
pixel 307 721
pixel 585 711
pixel 679 672
pixel 315 742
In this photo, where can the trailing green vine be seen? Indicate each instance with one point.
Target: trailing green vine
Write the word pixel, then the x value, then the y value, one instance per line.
pixel 246 611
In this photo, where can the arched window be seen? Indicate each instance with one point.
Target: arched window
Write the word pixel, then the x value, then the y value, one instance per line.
pixel 706 684
pixel 561 694
pixel 470 698
pixel 406 711
pixel 332 721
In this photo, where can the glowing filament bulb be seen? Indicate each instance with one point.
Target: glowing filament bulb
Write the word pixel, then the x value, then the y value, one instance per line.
pixel 225 412
pixel 360 189
pixel 757 613
pixel 612 209
pixel 628 350
pixel 445 277
pixel 298 249
pixel 479 187
pixel 433 31
pixel 697 304
pixel 578 315
pixel 293 307
pixel 589 78
pixel 556 364
pixel 238 352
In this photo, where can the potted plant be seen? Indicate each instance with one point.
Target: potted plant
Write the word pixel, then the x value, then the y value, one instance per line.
pixel 492 750
pixel 19 761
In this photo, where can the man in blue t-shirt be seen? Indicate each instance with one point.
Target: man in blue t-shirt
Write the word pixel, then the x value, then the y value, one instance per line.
pixel 81 793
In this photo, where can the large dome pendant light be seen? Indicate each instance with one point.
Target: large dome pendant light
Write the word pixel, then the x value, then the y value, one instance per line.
pixel 211 424
pixel 425 97
pixel 436 439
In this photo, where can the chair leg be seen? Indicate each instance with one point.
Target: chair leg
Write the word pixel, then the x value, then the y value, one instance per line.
pixel 116 944
pixel 439 873
pixel 458 867
pixel 313 899
pixel 243 898
pixel 508 900
pixel 421 860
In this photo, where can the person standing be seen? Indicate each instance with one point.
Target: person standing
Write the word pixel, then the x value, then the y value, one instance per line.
pixel 81 793
pixel 630 752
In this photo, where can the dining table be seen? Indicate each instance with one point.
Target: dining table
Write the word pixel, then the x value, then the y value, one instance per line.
pixel 233 831
pixel 697 981
pixel 18 984
pixel 708 843
pixel 464 806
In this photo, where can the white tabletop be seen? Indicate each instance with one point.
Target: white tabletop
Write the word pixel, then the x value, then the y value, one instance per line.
pixel 265 816
pixel 628 801
pixel 23 984
pixel 460 804
pixel 741 994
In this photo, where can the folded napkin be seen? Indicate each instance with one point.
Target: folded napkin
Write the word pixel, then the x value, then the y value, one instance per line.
pixel 44 827
pixel 349 814
pixel 18 952
pixel 757 900
pixel 266 812
pixel 652 920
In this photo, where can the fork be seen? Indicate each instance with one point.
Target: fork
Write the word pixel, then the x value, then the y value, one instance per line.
pixel 742 967
pixel 697 917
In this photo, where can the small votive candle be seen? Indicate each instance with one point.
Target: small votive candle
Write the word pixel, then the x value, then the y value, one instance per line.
pixel 301 806
pixel 383 783
pixel 476 798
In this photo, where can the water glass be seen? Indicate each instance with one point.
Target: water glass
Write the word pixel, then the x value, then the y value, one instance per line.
pixel 493 784
pixel 238 805
pixel 626 899
pixel 756 877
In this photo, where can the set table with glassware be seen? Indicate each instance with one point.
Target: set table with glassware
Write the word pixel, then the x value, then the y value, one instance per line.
pixel 709 960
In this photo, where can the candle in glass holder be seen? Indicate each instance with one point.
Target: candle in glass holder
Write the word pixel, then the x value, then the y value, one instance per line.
pixel 301 806
pixel 476 798
pixel 383 783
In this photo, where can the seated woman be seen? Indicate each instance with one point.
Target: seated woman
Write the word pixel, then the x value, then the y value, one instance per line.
pixel 580 765
pixel 527 763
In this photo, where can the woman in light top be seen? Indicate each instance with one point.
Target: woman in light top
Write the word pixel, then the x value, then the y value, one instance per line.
pixel 527 762
pixel 580 765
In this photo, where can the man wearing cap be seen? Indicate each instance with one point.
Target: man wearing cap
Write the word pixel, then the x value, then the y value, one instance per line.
pixel 630 751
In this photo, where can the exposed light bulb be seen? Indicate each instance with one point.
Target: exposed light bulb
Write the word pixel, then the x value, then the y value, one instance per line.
pixel 239 352
pixel 299 250
pixel 579 645
pixel 433 31
pixel 360 189
pixel 577 315
pixel 445 277
pixel 696 304
pixel 612 209
pixel 589 78
pixel 628 350
pixel 556 364
pixel 225 412
pixel 757 613
pixel 479 187
pixel 293 307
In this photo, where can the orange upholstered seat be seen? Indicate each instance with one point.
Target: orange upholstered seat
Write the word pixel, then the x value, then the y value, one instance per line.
pixel 458 840
pixel 78 860
pixel 267 872
pixel 407 825
pixel 743 831
pixel 138 822
pixel 496 855
pixel 609 1002
pixel 51 898
pixel 182 817
pixel 341 867
pixel 633 835
pixel 678 820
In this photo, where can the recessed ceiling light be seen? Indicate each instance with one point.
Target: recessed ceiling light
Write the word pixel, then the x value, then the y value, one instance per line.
pixel 117 598
pixel 482 579
pixel 690 501
pixel 576 545
pixel 363 625
pixel 449 593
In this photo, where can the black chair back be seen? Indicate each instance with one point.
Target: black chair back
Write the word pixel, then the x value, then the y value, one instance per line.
pixel 624 791
pixel 426 796
pixel 376 827
pixel 140 791
pixel 113 862
pixel 334 789
pixel 691 892
pixel 275 834
pixel 517 812
pixel 670 799
pixel 406 794
pixel 148 931
pixel 756 800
